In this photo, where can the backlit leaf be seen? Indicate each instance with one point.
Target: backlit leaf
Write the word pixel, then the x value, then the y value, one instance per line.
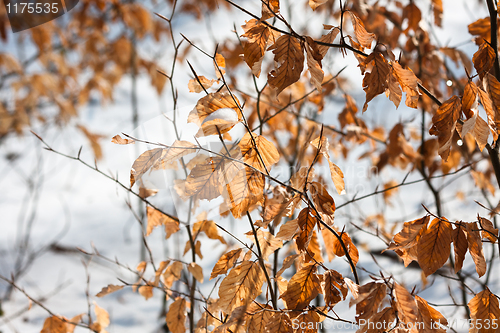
pixel 434 246
pixel 476 247
pixel 364 38
pixel 176 316
pixel 225 262
pixel 484 308
pixel 444 123
pixel 302 288
pixel 259 36
pixel 289 60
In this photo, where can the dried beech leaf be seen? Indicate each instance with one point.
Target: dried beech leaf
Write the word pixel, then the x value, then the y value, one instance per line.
pixel 302 288
pixel 484 308
pixel 483 59
pixel 259 36
pixel 195 86
pixel 476 247
pixel 289 60
pixel 108 290
pixel 460 246
pixel 444 123
pixel 434 246
pixel 176 316
pixel 196 270
pixel 375 82
pixel 157 218
pixel 121 141
pixel 364 38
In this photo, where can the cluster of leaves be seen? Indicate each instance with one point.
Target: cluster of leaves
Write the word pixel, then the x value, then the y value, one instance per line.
pixel 277 280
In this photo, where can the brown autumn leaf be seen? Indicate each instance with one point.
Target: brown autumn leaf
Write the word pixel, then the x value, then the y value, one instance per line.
pixel 434 246
pixel 334 287
pixel 313 60
pixel 481 28
pixel 489 231
pixel 287 263
pixel 407 308
pixel 111 288
pixel 323 201
pixel 172 273
pixel 316 3
pixel 386 315
pixel 306 222
pixel 328 38
pixel 219 65
pixel 413 15
pixel 241 286
pixel 54 324
pixel 211 103
pixel 117 139
pixel 444 123
pixel 477 127
pixel 483 59
pixel 375 82
pixel 270 8
pixel 459 245
pixel 196 271
pixel 146 292
pixel 491 102
pixel 94 141
pixel 322 144
pixel 288 230
pixel 476 247
pixel 364 38
pixel 209 228
pixel 410 234
pixel 259 36
pixel 195 86
pixel 470 98
pixel 176 316
pixel 268 243
pixel 370 297
pixel 279 323
pixel 302 288
pixel 144 163
pixel 258 151
pixel 430 317
pixel 258 317
pixel 208 179
pixel 484 308
pixel 351 248
pixel 289 60
pixel 408 82
pixel 102 319
pixel 157 218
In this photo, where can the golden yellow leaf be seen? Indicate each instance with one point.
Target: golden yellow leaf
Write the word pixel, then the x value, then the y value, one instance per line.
pixel 314 249
pixel 196 270
pixel 241 286
pixel 476 247
pixel 172 273
pixel 259 36
pixel 257 321
pixel 444 123
pixel 157 218
pixel 351 248
pixel 289 57
pixel 322 144
pixel 328 240
pixel 176 316
pixel 195 86
pixel 197 248
pixel 364 38
pixel 484 308
pixel 159 271
pixel 111 288
pixel 434 246
pixel 121 141
pixel 302 288
pixel 225 262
